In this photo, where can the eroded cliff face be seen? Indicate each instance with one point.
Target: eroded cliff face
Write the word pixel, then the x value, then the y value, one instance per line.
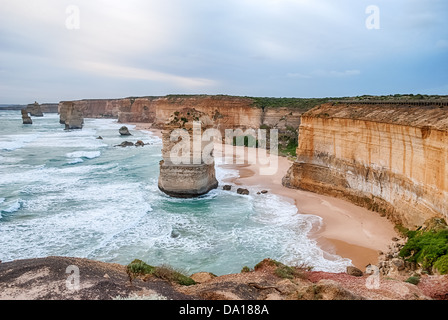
pixel 388 158
pixel 227 112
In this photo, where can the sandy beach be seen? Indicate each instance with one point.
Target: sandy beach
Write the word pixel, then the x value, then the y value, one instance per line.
pixel 348 230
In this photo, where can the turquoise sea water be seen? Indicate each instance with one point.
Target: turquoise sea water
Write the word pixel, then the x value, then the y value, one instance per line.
pixel 66 193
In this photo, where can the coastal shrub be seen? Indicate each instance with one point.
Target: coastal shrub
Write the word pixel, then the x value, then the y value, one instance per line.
pixel 245 269
pixel 168 273
pixel 415 279
pixel 442 264
pixel 140 268
pixel 426 248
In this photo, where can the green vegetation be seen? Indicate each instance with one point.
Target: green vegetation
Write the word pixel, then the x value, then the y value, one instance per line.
pixel 429 248
pixel 415 279
pixel 139 268
pixel 282 270
pixel 245 269
pixel 296 103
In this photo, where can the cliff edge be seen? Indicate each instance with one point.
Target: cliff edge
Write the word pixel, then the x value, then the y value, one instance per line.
pixel 389 158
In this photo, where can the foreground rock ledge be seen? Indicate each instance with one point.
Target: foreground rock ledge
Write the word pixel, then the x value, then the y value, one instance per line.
pixel 46 279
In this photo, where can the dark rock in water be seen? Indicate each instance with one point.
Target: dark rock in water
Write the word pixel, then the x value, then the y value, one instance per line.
pixel 242 191
pixel 175 234
pixel 227 187
pixel 124 131
pixel 34 110
pixel 139 143
pixel 100 138
pixel 264 191
pixel 125 144
pixel 25 117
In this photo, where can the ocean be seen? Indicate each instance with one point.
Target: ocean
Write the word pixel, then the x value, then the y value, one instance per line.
pixel 67 193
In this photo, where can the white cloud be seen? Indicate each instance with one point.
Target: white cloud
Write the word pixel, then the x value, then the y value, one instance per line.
pixel 123 72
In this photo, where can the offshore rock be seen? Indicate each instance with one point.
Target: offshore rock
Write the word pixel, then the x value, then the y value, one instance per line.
pixel 184 173
pixel 25 117
pixel 70 115
pixel 34 110
pixel 124 131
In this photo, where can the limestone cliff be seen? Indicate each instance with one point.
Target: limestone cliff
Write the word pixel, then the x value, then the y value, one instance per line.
pixel 226 111
pixel 187 169
pixel 389 158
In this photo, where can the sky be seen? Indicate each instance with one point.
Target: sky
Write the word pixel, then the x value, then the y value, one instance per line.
pixel 54 50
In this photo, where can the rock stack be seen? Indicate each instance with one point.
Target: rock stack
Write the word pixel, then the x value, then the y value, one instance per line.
pixel 34 110
pixel 184 171
pixel 70 116
pixel 25 117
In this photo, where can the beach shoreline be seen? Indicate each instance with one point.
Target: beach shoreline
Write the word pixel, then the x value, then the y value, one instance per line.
pixel 347 230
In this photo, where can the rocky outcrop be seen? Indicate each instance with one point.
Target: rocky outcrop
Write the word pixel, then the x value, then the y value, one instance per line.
pixel 54 278
pixel 124 131
pixel 71 116
pixel 34 110
pixel 185 171
pixel 25 117
pixel 388 158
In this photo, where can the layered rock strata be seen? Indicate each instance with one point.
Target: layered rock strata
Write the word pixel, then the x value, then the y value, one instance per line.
pixel 225 111
pixel 187 169
pixel 388 158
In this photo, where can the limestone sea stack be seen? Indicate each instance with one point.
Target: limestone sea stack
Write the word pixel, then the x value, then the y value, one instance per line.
pixel 70 116
pixel 25 117
pixel 34 110
pixel 187 169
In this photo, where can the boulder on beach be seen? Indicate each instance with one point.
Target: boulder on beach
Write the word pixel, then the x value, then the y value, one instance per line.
pixel 124 131
pixel 227 187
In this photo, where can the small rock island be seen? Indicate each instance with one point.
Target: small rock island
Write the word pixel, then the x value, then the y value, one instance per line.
pixel 183 171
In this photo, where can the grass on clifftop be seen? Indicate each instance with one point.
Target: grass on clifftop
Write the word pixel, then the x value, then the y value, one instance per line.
pixel 140 268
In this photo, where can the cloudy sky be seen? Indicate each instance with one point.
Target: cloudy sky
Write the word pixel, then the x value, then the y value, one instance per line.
pixel 53 50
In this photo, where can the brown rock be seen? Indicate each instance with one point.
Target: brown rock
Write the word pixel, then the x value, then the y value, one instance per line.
pixel 201 277
pixel 227 187
pixel 353 271
pixel 25 117
pixel 124 131
pixel 242 191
